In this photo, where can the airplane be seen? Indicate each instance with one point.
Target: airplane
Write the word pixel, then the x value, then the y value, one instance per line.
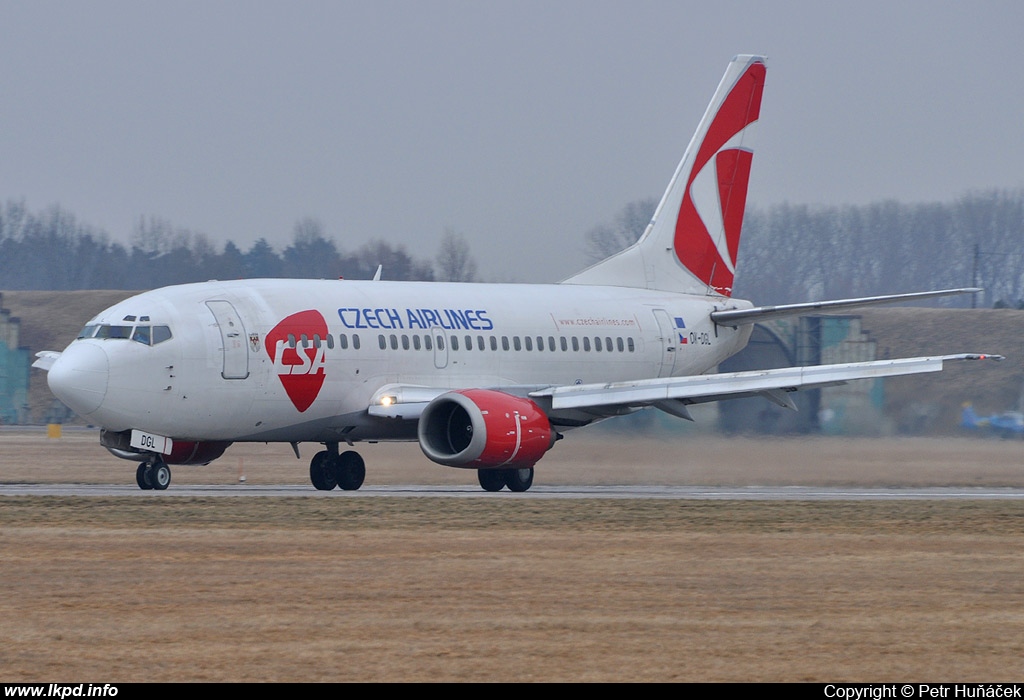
pixel 485 377
pixel 1006 424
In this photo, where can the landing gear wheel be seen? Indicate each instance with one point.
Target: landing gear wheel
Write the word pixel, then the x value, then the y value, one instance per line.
pixel 142 477
pixel 159 476
pixel 320 471
pixel 349 470
pixel 519 480
pixel 491 479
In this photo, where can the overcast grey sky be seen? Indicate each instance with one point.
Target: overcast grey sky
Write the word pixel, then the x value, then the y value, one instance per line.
pixel 519 125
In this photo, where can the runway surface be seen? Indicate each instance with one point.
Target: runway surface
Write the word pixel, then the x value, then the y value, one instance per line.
pixel 699 493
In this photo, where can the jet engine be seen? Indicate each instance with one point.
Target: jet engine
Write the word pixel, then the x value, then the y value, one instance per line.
pixel 483 428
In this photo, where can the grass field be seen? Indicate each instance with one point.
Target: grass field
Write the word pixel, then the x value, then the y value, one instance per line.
pixel 518 589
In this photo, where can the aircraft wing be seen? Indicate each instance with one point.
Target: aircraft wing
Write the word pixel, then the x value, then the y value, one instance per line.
pixel 672 394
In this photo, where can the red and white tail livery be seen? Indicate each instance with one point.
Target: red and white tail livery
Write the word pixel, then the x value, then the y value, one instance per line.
pixel 692 243
pixel 485 377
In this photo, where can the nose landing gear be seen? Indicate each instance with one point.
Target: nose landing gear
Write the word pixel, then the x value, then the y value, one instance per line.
pixel 154 475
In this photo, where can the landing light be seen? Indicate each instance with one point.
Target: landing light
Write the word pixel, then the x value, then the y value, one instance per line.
pixel 388 401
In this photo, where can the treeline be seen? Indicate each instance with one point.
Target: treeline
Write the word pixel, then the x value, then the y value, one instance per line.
pixel 51 250
pixel 789 252
pixel 793 252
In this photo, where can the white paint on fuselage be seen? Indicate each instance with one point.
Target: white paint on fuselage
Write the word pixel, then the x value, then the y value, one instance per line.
pixel 176 388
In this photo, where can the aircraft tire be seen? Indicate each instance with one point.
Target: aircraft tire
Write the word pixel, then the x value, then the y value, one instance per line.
pixel 519 480
pixel 142 477
pixel 321 473
pixel 159 476
pixel 491 479
pixel 349 470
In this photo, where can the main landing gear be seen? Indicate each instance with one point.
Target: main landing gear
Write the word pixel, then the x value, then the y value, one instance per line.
pixel 517 480
pixel 153 475
pixel 328 469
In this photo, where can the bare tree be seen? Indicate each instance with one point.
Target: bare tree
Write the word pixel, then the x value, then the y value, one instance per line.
pixel 605 240
pixel 454 262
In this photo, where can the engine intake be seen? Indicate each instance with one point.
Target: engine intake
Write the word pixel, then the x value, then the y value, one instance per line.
pixel 483 428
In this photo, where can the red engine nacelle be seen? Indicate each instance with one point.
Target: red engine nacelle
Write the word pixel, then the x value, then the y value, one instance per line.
pixel 482 428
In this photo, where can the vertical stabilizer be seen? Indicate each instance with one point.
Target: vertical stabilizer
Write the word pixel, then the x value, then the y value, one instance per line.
pixel 692 241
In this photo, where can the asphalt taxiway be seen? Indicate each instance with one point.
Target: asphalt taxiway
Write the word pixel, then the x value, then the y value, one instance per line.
pixel 700 493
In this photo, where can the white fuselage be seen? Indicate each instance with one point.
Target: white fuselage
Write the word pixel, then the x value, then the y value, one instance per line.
pixel 301 360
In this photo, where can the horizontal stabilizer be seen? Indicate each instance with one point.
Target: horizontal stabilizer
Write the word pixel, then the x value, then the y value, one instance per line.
pixel 739 317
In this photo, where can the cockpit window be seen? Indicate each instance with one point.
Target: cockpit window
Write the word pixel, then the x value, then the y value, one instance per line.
pixel 160 334
pixel 144 334
pixel 107 331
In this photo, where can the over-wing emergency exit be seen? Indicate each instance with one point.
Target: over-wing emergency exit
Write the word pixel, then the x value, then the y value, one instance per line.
pixel 483 376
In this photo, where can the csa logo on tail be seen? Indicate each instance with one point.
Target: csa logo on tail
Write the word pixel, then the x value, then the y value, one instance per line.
pixel 296 346
pixel 707 236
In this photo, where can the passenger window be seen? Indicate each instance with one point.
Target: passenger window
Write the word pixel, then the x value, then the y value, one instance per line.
pixel 455 342
pixel 565 345
pixel 355 341
pixel 630 344
pixel 330 341
pixel 529 343
pixel 504 343
pixel 586 343
pixel 416 344
pixel 405 342
pixel 597 343
pixel 517 343
pixel 343 341
pixel 618 342
pixel 480 343
pixel 575 344
pixel 382 341
pixel 494 343
pixel 428 342
pixel 394 341
pixel 469 342
pixel 291 340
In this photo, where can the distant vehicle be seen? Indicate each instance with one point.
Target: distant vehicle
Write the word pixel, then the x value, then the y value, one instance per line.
pixel 1006 424
pixel 483 376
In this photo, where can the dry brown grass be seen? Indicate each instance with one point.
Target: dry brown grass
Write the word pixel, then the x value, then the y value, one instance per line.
pixel 512 588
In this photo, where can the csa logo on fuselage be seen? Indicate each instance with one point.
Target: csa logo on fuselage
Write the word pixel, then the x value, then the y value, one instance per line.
pixel 299 361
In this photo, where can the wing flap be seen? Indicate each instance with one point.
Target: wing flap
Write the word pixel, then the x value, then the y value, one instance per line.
pixel 772 383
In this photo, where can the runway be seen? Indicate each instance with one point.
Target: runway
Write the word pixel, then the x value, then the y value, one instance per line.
pixel 633 491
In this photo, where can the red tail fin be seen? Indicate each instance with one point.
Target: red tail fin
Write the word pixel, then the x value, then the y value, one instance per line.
pixel 701 214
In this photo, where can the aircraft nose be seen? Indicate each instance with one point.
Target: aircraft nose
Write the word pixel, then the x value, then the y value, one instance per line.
pixel 79 377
